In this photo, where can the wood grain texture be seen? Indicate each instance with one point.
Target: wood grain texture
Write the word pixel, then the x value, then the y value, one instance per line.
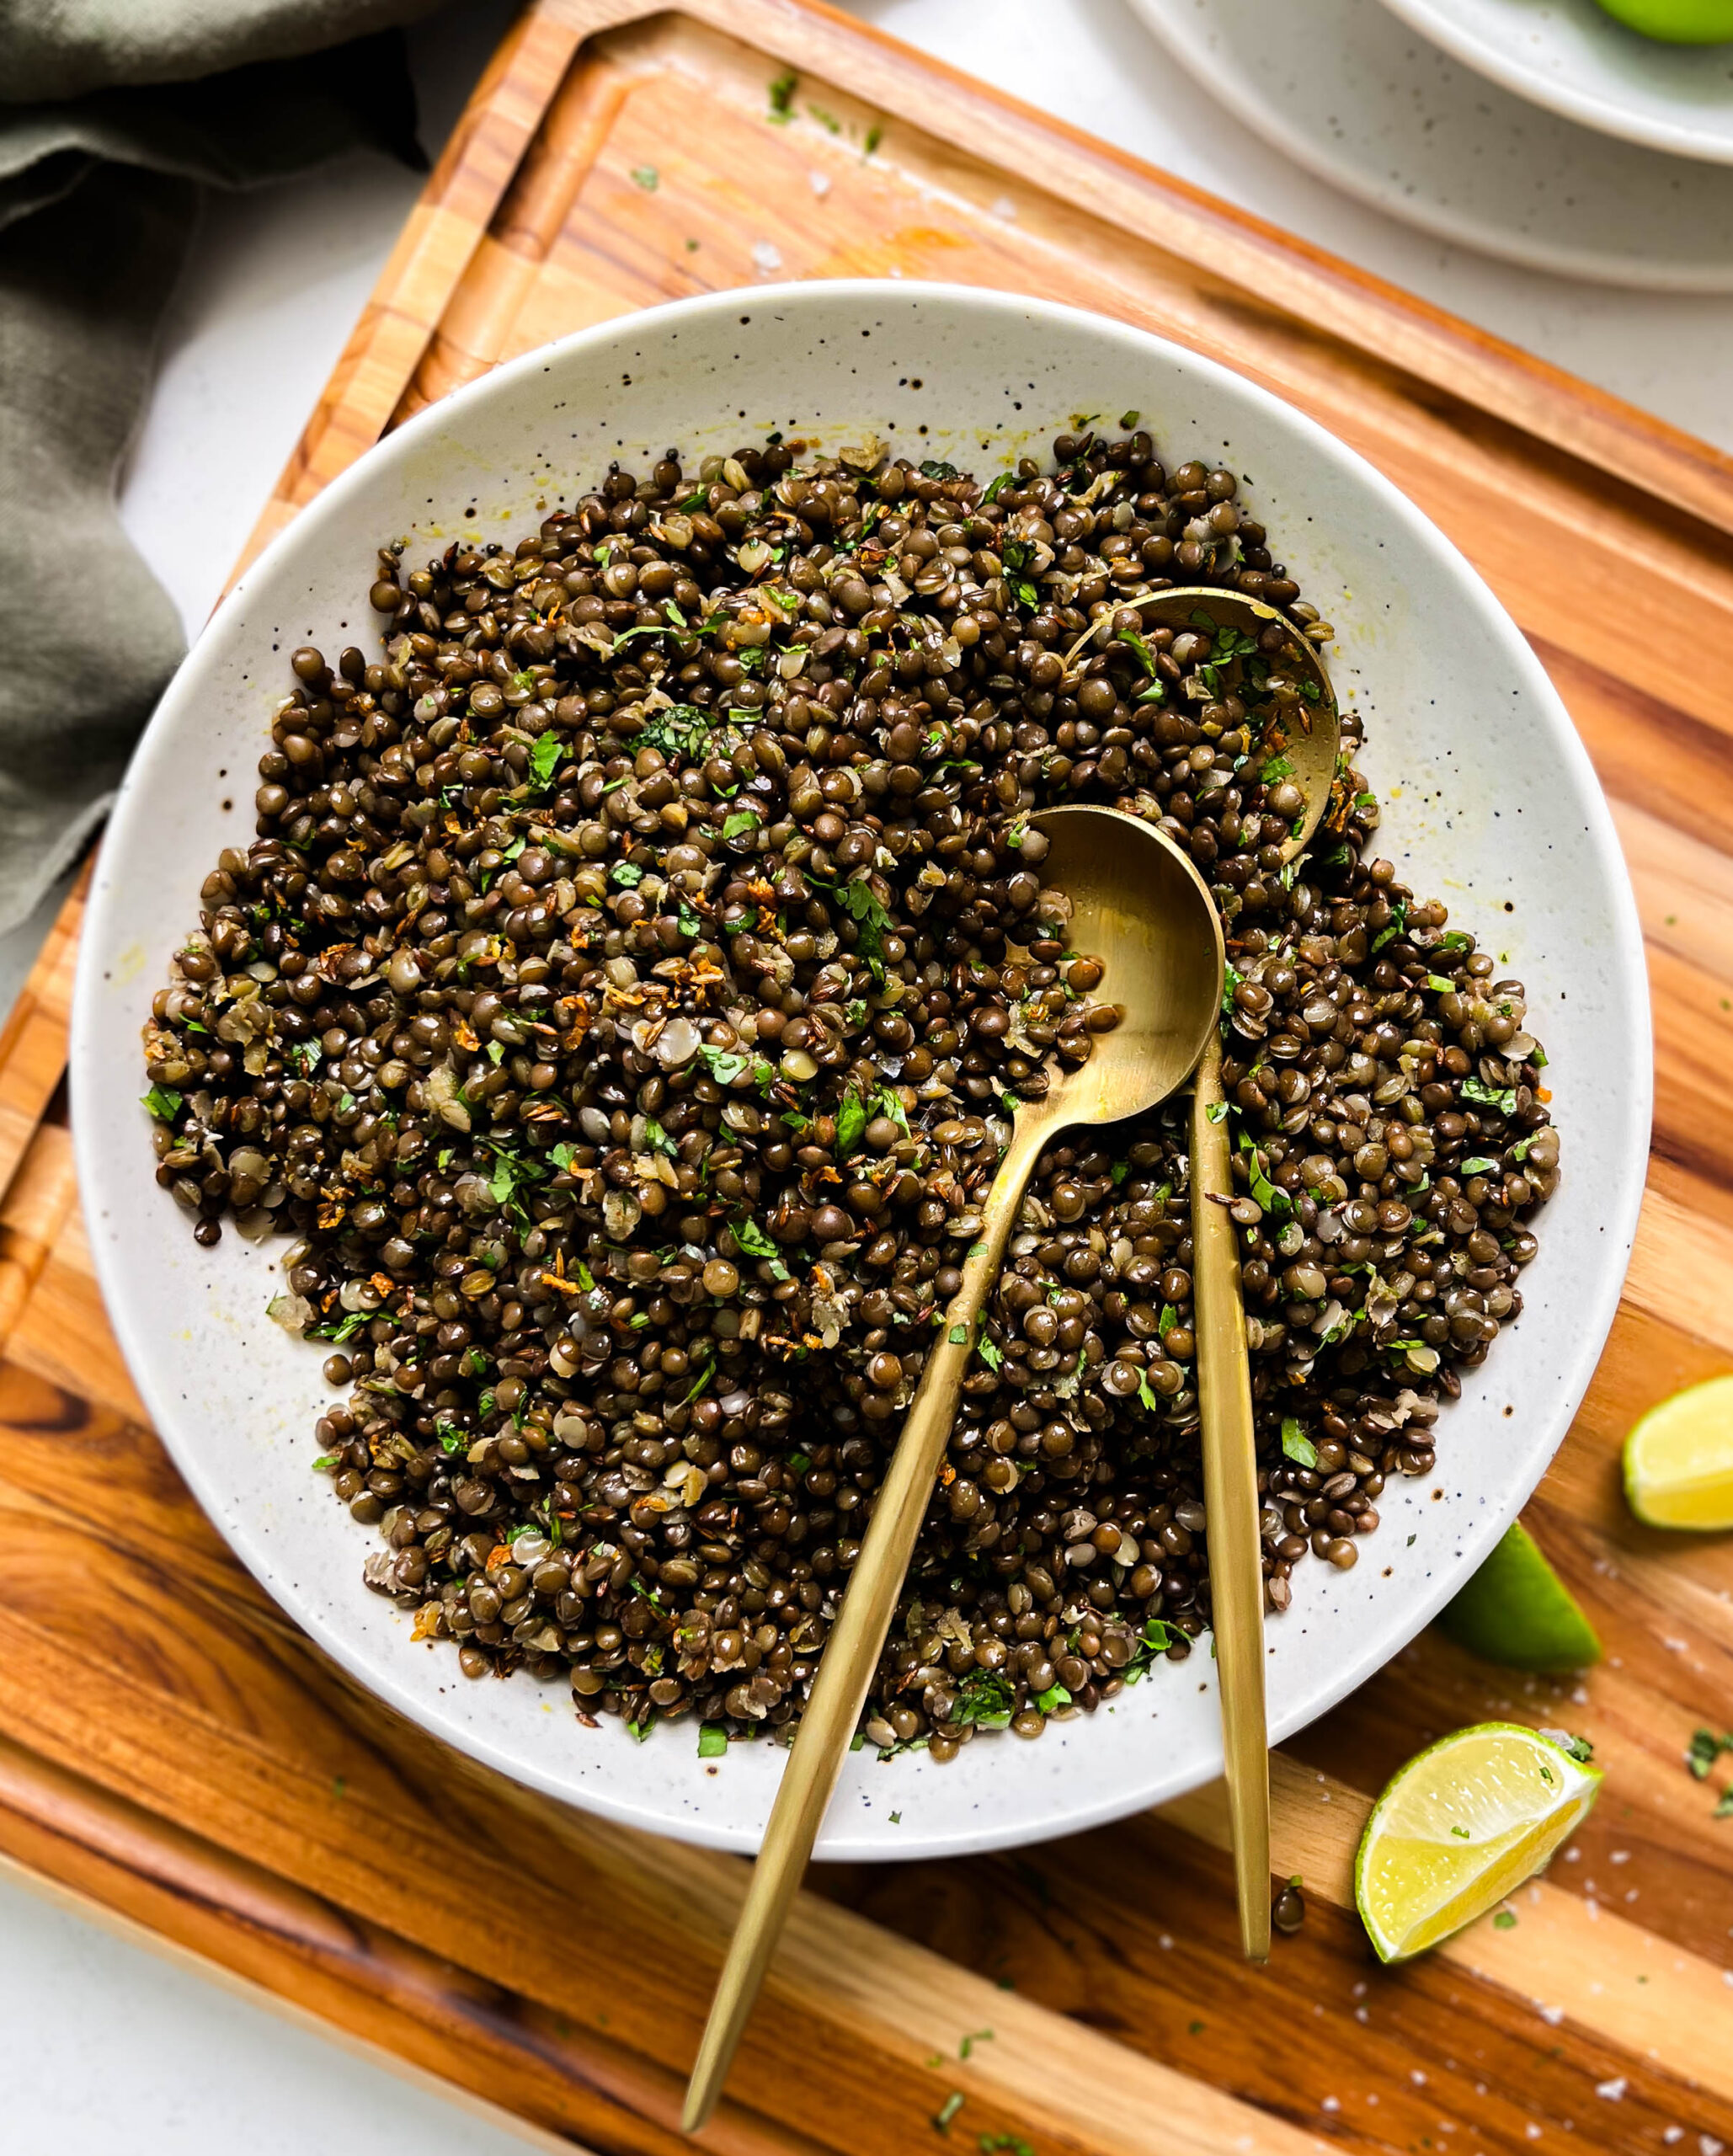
pixel 172 1751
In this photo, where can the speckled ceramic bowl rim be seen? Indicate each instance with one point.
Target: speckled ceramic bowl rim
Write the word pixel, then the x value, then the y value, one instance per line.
pixel 1084 1801
pixel 1435 21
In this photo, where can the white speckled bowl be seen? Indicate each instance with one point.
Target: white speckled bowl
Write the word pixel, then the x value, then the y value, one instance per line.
pixel 1493 803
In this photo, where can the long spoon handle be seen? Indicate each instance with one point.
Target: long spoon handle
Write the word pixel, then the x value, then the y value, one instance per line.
pixel 858 1638
pixel 1230 1503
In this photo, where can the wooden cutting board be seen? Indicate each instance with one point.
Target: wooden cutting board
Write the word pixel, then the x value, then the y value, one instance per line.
pixel 176 1757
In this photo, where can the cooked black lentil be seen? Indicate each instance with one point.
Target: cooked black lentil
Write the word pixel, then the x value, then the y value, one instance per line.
pixel 624 1001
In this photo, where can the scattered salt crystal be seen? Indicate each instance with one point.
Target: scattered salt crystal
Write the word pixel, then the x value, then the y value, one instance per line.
pixel 1533 2130
pixel 1631 1893
pixel 1573 1856
pixel 1416 2077
pixel 819 182
pixel 1362 2014
pixel 1359 1990
pixel 1708 2144
pixel 765 256
pixel 1614 2090
pixel 1004 207
pixel 1673 1647
pixel 1552 2016
pixel 1580 1696
pixel 1619 1856
pixel 1673 2134
pixel 1164 1942
pixel 1330 2103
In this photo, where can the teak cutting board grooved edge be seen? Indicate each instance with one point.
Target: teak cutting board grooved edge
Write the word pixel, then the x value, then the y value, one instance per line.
pixel 172 1751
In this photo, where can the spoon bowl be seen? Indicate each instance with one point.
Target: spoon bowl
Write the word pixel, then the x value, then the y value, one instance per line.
pixel 1146 913
pixel 1272 665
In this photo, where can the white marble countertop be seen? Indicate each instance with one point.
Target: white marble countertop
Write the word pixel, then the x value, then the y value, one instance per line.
pixel 101 2044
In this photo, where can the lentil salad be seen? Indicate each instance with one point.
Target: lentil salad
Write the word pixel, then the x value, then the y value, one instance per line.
pixel 624 1001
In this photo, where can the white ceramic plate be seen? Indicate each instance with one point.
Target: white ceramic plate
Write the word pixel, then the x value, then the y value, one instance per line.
pixel 1572 56
pixel 1355 96
pixel 1493 803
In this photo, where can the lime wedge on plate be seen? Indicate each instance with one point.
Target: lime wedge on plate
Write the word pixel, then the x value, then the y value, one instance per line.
pixel 1678 1461
pixel 1517 1611
pixel 1461 1826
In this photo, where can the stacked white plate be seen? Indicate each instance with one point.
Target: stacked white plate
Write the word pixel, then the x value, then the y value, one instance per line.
pixel 1539 131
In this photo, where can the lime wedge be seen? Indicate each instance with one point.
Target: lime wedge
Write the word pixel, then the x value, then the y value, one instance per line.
pixel 1517 1611
pixel 1678 1461
pixel 1460 1827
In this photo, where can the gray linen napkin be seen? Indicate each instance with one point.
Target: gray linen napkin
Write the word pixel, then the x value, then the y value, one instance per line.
pixel 113 115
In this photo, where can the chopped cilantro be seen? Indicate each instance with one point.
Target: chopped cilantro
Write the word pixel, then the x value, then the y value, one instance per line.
pixel 713 1740
pixel 781 96
pixel 1502 1097
pixel 164 1102
pixel 984 1698
pixel 340 1328
pixel 646 177
pixel 544 760
pixel 871 918
pixel 1270 1196
pixel 851 1120
pixel 706 1372
pixel 751 1238
pixel 1296 1444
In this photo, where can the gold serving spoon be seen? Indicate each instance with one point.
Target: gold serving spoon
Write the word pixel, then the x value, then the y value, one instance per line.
pixel 1307 735
pixel 1141 907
